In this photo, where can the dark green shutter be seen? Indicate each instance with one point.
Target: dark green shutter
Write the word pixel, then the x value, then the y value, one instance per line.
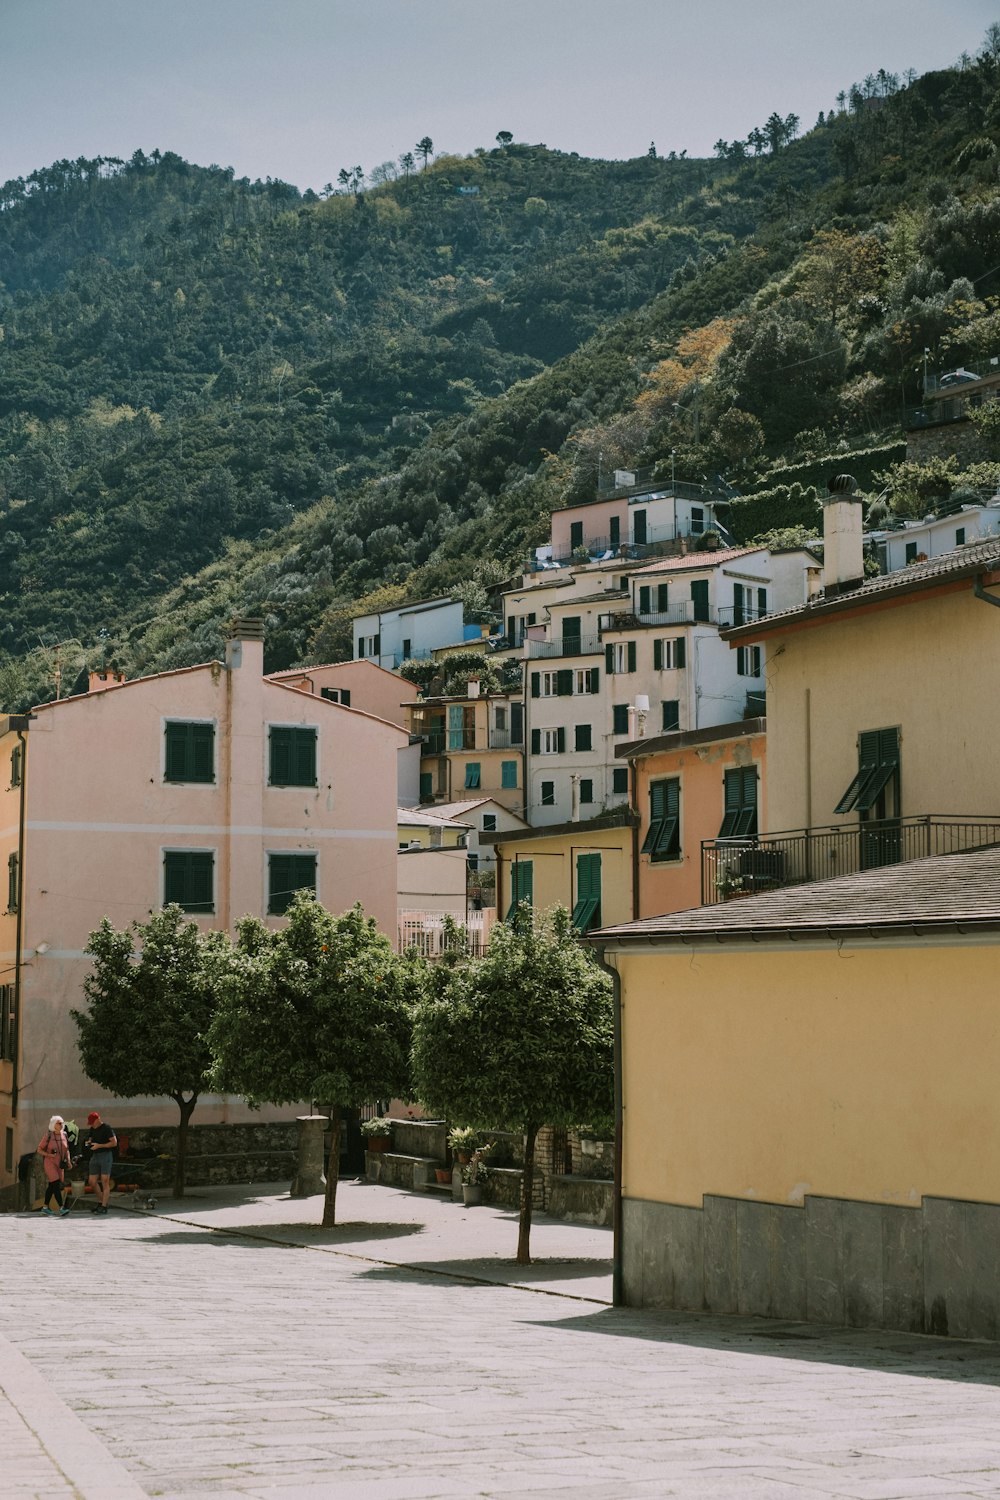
pixel 609 658
pixel 426 786
pixel 699 598
pixel 304 756
pixel 564 682
pixel 288 873
pixel 619 779
pixel 671 715
pixel 187 880
pixel 620 718
pixel 587 909
pixel 583 740
pixel 571 635
pixel 878 761
pixel 281 757
pixel 586 790
pixel 662 839
pixel 345 697
pixel 739 803
pixel 680 653
pixel 522 882
pixel 595 679
pixel 661 599
pixel 737 604
pixel 631 656
pixel 560 741
pixel 536 684
pixel 536 742
pixel 657 656
pixel 644 598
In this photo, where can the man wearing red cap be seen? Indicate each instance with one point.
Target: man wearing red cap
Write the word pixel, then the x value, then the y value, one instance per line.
pixel 101 1142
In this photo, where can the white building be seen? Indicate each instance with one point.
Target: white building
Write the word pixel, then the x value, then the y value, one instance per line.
pixel 918 541
pixel 411 631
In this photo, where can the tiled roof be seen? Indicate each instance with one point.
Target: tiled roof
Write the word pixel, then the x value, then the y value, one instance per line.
pixel 692 560
pixel 962 562
pixel 684 739
pixel 419 817
pixel 948 891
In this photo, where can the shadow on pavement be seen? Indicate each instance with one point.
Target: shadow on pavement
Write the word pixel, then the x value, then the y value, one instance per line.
pixel 286 1235
pixel 561 1275
pixel 890 1353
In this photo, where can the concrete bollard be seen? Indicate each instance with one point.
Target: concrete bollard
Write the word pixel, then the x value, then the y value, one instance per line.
pixel 309 1175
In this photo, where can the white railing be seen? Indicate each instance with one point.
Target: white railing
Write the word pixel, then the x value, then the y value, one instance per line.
pixel 426 932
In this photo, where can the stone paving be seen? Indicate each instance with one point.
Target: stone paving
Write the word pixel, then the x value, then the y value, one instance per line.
pixel 230 1346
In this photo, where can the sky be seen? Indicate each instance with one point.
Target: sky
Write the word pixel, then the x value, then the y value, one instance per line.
pixel 297 89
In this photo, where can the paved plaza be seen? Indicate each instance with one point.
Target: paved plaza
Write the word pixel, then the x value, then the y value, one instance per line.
pixel 226 1345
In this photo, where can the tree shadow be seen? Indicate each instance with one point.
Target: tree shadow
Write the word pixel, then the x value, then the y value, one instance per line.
pixel 890 1353
pixel 286 1236
pixel 539 1276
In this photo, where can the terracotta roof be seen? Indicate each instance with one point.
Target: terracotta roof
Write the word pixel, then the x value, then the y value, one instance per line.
pixel 419 817
pixel 923 896
pixel 963 562
pixel 692 560
pixel 683 739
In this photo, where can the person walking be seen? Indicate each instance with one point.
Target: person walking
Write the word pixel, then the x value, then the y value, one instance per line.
pixel 101 1142
pixel 54 1149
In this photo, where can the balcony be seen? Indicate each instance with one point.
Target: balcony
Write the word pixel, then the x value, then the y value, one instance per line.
pixel 437 741
pixel 745 866
pixel 629 619
pixel 504 739
pixel 569 645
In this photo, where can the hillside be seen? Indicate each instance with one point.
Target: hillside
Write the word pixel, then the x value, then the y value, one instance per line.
pixel 218 394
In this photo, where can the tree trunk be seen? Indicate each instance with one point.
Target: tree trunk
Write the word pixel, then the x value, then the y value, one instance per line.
pixel 332 1171
pixel 186 1107
pixel 527 1197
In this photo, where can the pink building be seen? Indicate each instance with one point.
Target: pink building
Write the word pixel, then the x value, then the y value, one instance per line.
pixel 213 786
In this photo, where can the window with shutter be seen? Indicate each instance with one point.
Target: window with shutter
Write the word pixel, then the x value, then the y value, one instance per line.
pixel 522 883
pixel 548 794
pixel 615 529
pixel 575 534
pixel 586 789
pixel 12 882
pixel 426 786
pixel 536 742
pixel 564 682
pixel 657 656
pixel 189 751
pixel 645 595
pixel 911 552
pixel 536 684
pixel 662 604
pixel 761 603
pixel 595 680
pixel 292 755
pixel 739 817
pixel 671 714
pixel 489 822
pixel 508 773
pixel 699 598
pixel 587 908
pixel 878 763
pixel 286 874
pixel 619 780
pixel 571 635
pixel 662 839
pixel 619 718
pixel 639 528
pixel 15 766
pixel 582 737
pixel 609 658
pixel 188 880
pixel 407 648
pixel 472 769
pixel 738 615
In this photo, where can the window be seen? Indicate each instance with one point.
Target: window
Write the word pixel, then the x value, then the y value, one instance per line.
pixel 15 765
pixel 671 710
pixel 489 822
pixel 508 773
pixel 878 765
pixel 548 794
pixel 619 718
pixel 697 520
pixel 699 598
pixel 544 684
pixel 337 695
pixel 615 528
pixel 586 789
pixel 12 882
pixel 959 542
pixel 571 635
pixel 582 737
pixel 619 780
pixel 522 882
pixel 407 648
pixel 587 910
pixel 500 720
pixel 663 840
pixel 564 682
pixel 748 661
pixel 472 860
pixel 739 604
pixel 639 528
pixel 911 552
pixel 6 1022
pixel 550 741
pixel 190 751
pixel 286 874
pixel 668 656
pixel 620 656
pixel 587 680
pixel 645 599
pixel 189 879
pixel 517 724
pixel 740 803
pixel 472 768
pixel 426 786
pixel 292 756
pixel 761 603
pixel 369 645
pixel 575 535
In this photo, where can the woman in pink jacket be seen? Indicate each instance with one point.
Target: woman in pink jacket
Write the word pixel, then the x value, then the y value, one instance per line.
pixel 54 1149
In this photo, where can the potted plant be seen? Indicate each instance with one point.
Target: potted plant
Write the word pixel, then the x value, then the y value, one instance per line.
pixel 474 1174
pixel 730 885
pixel 377 1134
pixel 463 1140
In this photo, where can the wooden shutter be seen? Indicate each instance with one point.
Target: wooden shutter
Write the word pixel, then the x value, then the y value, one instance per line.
pixel 564 682
pixel 657 656
pixel 619 716
pixel 699 598
pixel 560 740
pixel 661 599
pixel 536 684
pixel 583 740
pixel 595 679
pixel 536 742
pixel 586 911
pixel 609 658
pixel 281 756
pixel 631 656
pixel 644 599
pixel 671 715
pixel 680 652
pixel 304 757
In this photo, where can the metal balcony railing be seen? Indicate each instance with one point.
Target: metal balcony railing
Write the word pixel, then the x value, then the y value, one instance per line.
pixel 735 614
pixel 504 739
pixel 679 614
pixel 567 645
pixel 437 741
pixel 745 866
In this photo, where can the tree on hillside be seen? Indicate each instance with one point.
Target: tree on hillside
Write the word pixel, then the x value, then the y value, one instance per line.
pixel 144 1029
pixel 520 1038
pixel 425 148
pixel 504 138
pixel 317 1011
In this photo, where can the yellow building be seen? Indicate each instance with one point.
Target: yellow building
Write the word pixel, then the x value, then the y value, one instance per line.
pixel 586 866
pixel 809 1102
pixel 470 744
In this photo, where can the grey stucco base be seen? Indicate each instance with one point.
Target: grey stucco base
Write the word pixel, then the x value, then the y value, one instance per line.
pixel 932 1269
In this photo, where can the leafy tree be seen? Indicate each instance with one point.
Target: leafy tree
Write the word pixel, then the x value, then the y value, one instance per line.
pixel 319 1010
pixel 145 1025
pixel 425 148
pixel 519 1038
pixel 504 139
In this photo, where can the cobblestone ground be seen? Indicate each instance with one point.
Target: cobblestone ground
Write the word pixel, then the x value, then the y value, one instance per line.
pixel 224 1349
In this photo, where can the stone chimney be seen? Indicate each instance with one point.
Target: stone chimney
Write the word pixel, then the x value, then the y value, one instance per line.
pixel 843 546
pixel 245 643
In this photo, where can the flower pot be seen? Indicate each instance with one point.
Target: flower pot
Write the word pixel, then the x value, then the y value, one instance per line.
pixel 443 1175
pixel 472 1194
pixel 462 1157
pixel 379 1142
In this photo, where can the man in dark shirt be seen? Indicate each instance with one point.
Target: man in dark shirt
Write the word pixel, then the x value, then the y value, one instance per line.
pixel 101 1142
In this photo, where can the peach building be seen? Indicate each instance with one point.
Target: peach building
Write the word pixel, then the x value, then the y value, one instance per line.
pixel 212 786
pixel 699 785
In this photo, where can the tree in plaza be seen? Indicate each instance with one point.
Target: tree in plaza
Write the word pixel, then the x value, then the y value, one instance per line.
pixel 317 1011
pixel 144 1029
pixel 425 148
pixel 520 1038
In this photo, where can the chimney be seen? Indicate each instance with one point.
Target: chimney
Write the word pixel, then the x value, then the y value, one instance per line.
pixel 97 682
pixel 245 631
pixel 574 799
pixel 843 547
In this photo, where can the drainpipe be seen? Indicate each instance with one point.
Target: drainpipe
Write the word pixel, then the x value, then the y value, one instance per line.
pixel 633 777
pixel 617 1283
pixel 19 723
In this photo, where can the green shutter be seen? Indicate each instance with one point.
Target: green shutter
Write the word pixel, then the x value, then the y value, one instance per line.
pixel 536 684
pixel 508 773
pixel 662 837
pixel 187 880
pixel 619 718
pixel 587 910
pixel 548 794
pixel 288 873
pixel 644 599
pixel 583 737
pixel 190 752
pixel 661 599
pixel 426 786
pixel 739 803
pixel 536 742
pixel 737 604
pixel 586 790
pixel 472 769
pixel 281 757
pixel 595 679
pixel 609 658
pixel 699 598
pixel 878 761
pixel 671 715
pixel 619 779
pixel 657 656
pixel 680 652
pixel 12 872
pixel 631 656
pixel 522 883
pixel 560 741
pixel 564 682
pixel 345 697
pixel 304 756
pixel 571 634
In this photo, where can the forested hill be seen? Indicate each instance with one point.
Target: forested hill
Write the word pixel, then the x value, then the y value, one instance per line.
pixel 221 395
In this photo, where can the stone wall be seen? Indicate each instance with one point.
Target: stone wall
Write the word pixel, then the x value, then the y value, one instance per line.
pixel 216 1154
pixel 958 438
pixel 933 1269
